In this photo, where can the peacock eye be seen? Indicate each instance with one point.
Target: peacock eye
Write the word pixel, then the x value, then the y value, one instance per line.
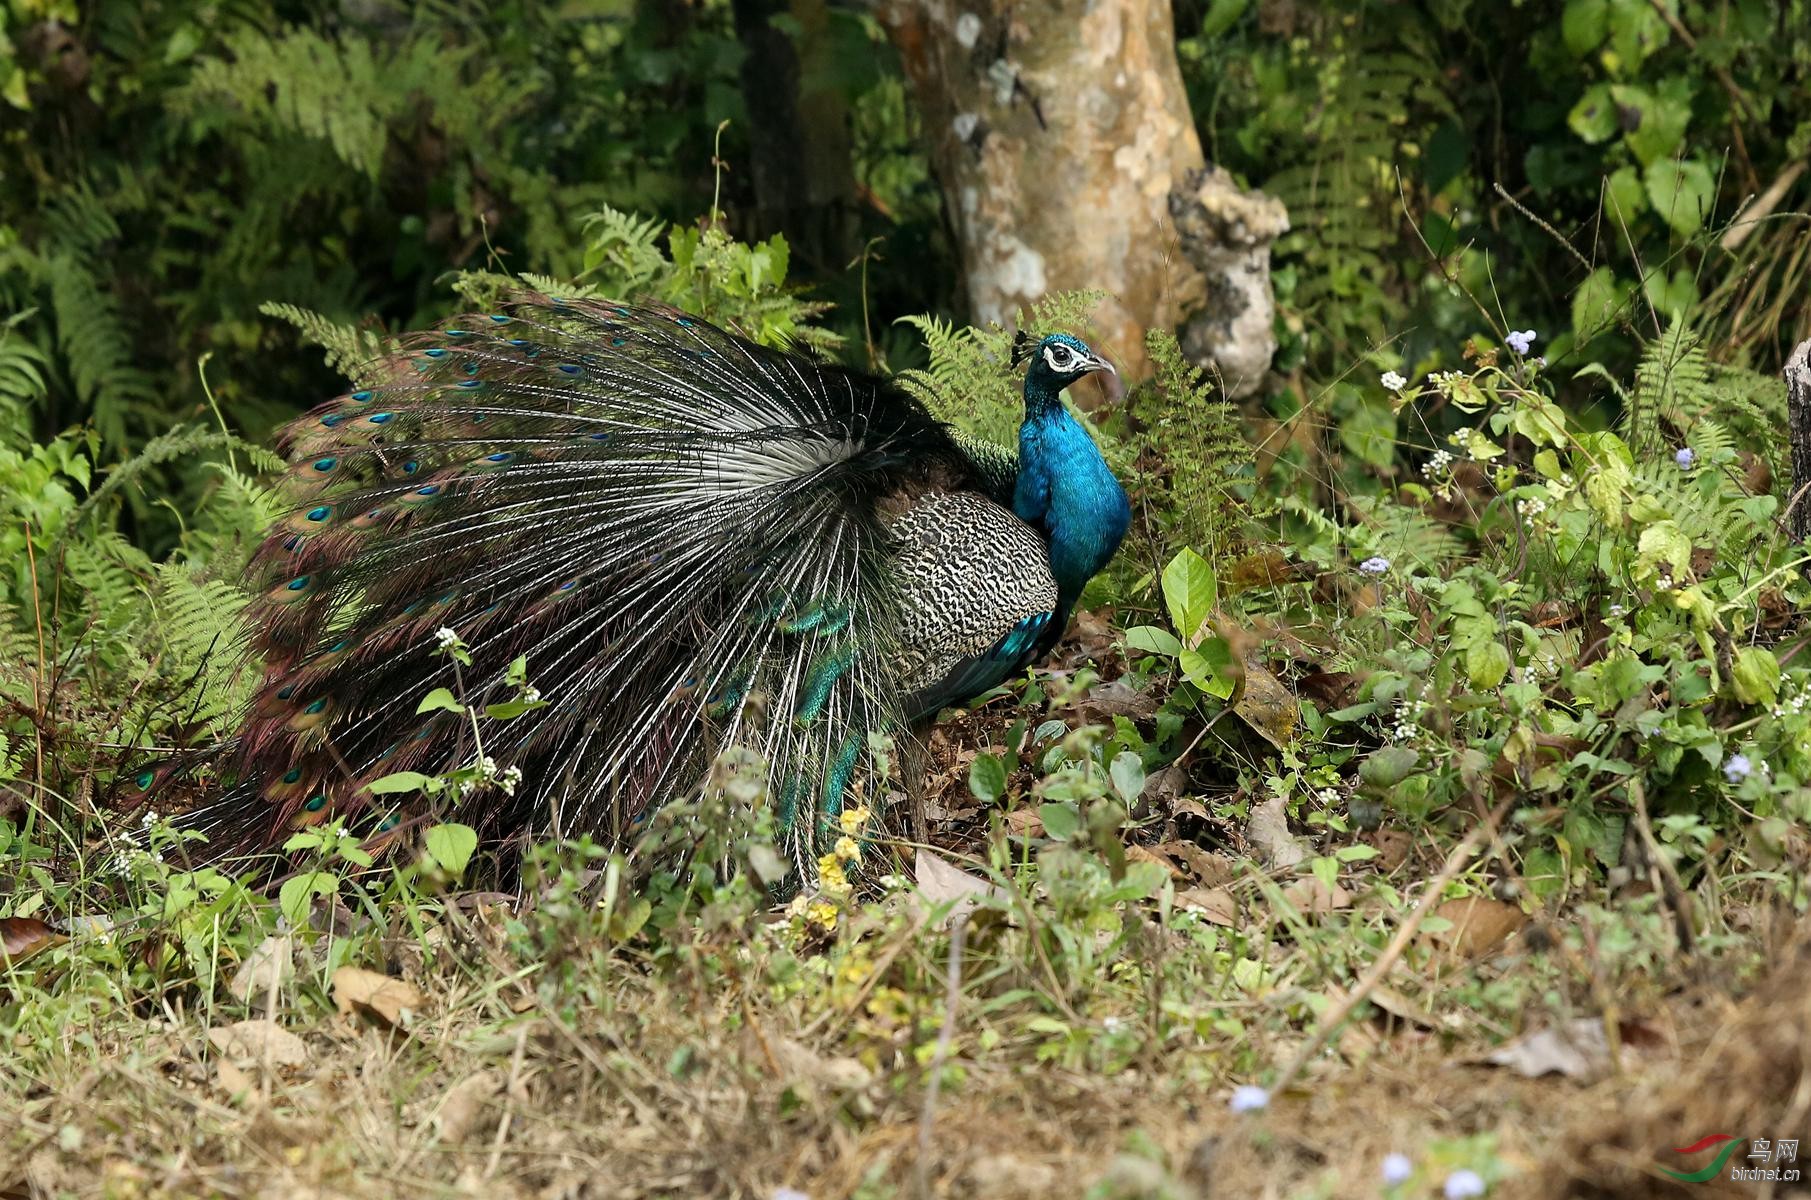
pixel 1060 357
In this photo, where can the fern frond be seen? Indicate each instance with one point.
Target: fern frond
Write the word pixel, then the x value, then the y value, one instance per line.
pixel 349 350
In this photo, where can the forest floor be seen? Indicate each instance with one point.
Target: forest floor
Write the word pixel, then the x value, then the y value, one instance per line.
pixel 1067 1037
pixel 458 1068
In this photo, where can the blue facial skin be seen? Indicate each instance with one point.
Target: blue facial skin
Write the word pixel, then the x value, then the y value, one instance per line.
pixel 1065 488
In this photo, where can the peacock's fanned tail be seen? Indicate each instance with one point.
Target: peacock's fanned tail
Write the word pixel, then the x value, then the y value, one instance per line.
pixel 681 531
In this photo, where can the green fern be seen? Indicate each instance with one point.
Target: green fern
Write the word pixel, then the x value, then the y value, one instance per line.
pixel 1344 214
pixel 1203 450
pixel 351 351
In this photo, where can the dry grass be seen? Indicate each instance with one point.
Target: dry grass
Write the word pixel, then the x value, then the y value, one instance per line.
pixel 701 1078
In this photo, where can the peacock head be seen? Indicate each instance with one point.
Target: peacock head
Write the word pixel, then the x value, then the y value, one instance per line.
pixel 1055 362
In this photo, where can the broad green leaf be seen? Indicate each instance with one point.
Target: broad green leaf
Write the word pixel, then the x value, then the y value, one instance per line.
pixel 987 777
pixel 1326 869
pixel 297 894
pixel 1210 667
pixel 1486 664
pixel 1153 640
pixel 1625 197
pixel 1655 121
pixel 1189 592
pixel 1672 295
pixel 1593 118
pixel 1597 303
pixel 1389 766
pixel 450 846
pixel 1664 544
pixel 439 698
pixel 1369 432
pixel 1636 31
pixel 403 781
pixel 1127 773
pixel 508 710
pixel 1061 821
pixel 768 864
pixel 1682 193
pixel 1754 676
pixel 1584 25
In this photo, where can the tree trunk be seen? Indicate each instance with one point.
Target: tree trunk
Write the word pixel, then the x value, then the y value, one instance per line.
pixel 1063 141
pixel 799 140
pixel 1798 430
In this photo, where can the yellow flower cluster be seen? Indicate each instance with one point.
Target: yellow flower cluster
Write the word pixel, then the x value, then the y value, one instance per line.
pixel 832 879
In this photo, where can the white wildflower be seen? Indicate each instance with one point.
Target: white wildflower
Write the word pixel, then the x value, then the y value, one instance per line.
pixel 1521 341
pixel 1437 464
pixel 1393 381
pixel 1463 1185
pixel 1375 565
pixel 1396 1169
pixel 1248 1098
pixel 446 636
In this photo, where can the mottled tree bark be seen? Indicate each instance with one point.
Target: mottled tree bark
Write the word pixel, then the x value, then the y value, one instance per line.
pixel 1062 138
pixel 1798 431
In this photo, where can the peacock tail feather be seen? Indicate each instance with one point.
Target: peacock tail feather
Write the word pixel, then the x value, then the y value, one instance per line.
pixel 695 542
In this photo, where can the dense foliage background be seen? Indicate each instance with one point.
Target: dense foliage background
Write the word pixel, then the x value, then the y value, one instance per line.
pixel 1498 546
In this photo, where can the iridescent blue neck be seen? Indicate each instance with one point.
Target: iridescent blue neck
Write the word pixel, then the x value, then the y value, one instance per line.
pixel 1066 491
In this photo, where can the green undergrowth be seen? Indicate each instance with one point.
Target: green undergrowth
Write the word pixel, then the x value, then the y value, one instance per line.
pixel 1566 643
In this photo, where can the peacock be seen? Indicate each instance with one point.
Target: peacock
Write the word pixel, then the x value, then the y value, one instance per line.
pixel 625 539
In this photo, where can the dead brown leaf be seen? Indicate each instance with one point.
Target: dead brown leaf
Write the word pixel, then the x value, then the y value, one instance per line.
pixel 465 1104
pixel 836 1072
pixel 1266 704
pixel 1577 1049
pixel 1216 904
pixel 231 1078
pixel 390 1000
pixel 22 937
pixel 1137 853
pixel 1209 869
pixel 259 1041
pixel 1401 1007
pixel 267 970
pixel 1025 822
pixel 1392 846
pixel 1310 896
pixel 940 881
pixel 1480 924
pixel 1268 833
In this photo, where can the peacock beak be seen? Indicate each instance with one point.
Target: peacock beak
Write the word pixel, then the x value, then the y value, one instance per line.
pixel 1097 363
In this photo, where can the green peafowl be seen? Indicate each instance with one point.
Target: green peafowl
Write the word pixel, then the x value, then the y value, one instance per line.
pixel 694 540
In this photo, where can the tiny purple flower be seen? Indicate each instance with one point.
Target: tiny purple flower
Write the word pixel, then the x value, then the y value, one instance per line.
pixel 1737 768
pixel 1685 458
pixel 1377 564
pixel 1396 1169
pixel 1248 1097
pixel 1463 1185
pixel 1521 341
